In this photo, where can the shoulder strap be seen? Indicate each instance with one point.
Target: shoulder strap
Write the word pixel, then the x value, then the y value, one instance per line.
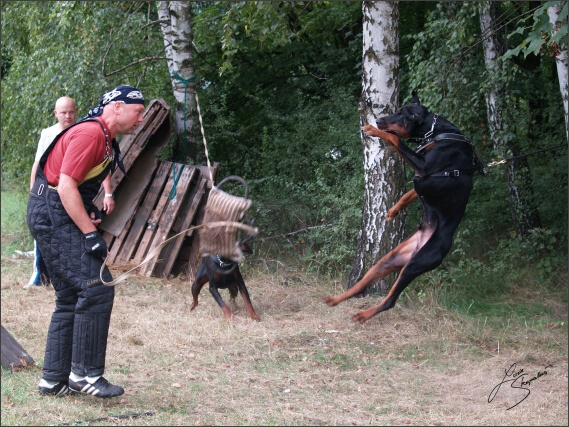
pixel 45 154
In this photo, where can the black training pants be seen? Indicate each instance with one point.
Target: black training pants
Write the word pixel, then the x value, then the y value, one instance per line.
pixel 77 335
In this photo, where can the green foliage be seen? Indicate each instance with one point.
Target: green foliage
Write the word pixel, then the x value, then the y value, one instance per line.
pixel 279 90
pixel 15 233
pixel 313 178
pixel 539 38
pixel 59 48
pixel 451 79
pixel 279 84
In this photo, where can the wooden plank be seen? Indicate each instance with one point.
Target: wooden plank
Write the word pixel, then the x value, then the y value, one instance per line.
pixel 152 223
pixel 188 201
pixel 154 115
pixel 154 131
pixel 185 222
pixel 14 356
pixel 108 238
pixel 127 143
pixel 191 253
pixel 143 212
pixel 115 249
pixel 129 194
pixel 169 215
pixel 182 267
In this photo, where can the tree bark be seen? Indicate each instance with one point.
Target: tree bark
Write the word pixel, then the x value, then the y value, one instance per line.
pixel 176 25
pixel 518 178
pixel 561 60
pixel 384 170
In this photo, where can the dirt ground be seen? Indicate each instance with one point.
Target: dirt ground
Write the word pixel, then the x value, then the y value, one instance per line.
pixel 304 364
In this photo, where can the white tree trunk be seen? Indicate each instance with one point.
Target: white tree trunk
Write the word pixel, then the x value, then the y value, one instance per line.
pixel 562 61
pixel 384 170
pixel 518 178
pixel 491 54
pixel 176 19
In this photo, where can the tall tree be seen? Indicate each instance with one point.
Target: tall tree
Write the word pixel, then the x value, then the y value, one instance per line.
pixel 520 190
pixel 176 24
pixel 546 35
pixel 383 169
pixel 80 49
pixel 557 20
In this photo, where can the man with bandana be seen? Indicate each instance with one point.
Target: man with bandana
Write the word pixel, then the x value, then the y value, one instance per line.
pixel 63 221
pixel 65 112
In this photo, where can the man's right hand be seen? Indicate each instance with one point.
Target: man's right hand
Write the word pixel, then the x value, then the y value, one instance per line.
pixel 95 244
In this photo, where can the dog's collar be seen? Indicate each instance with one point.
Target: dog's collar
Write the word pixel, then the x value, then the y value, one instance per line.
pixel 224 263
pixel 430 133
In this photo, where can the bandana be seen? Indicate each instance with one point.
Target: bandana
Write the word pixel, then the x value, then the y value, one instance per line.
pixel 123 93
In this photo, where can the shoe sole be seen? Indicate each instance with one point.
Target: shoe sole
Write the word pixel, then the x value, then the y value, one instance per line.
pixel 63 392
pixel 93 391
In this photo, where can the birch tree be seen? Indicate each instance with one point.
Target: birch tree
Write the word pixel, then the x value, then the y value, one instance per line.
pixel 561 58
pixel 520 190
pixel 383 169
pixel 176 24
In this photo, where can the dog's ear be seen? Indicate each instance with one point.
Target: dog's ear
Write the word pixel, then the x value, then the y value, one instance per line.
pixel 416 119
pixel 415 98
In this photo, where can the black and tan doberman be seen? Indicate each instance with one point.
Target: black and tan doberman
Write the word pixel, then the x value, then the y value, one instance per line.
pixel 223 273
pixel 444 163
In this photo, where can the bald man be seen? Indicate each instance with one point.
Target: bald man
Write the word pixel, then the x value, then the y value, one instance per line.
pixel 65 112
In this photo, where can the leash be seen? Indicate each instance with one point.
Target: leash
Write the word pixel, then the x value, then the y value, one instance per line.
pixel 500 162
pixel 157 249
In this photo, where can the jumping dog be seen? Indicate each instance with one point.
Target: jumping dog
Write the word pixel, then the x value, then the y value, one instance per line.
pixel 444 163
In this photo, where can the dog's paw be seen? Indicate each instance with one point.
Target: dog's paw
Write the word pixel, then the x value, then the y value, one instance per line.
pixel 227 313
pixel 331 301
pixel 369 130
pixel 391 214
pixel 362 316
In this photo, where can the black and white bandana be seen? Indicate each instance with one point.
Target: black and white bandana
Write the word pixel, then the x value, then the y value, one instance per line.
pixel 122 93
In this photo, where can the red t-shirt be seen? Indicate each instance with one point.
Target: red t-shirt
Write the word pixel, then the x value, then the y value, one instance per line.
pixel 79 150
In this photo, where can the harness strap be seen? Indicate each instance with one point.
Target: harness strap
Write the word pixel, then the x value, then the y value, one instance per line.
pixel 454 173
pixel 94 172
pixel 442 136
pixel 429 140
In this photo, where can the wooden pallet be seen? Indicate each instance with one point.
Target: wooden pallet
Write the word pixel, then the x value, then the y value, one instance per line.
pixel 156 200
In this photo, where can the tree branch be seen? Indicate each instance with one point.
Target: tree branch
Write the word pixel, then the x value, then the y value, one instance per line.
pixel 139 61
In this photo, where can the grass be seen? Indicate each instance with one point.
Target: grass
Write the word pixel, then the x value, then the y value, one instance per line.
pixel 433 359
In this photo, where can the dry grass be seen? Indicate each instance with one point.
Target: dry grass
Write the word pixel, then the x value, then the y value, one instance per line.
pixel 303 364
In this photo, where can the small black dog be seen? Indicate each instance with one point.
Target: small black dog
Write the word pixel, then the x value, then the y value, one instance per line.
pixel 443 163
pixel 223 273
